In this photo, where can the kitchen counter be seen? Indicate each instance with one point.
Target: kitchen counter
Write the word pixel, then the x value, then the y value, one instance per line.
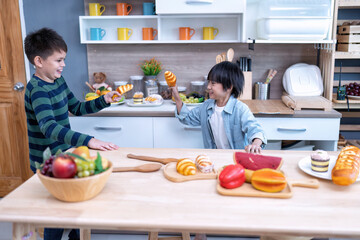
pixel 168 107
pixel 149 202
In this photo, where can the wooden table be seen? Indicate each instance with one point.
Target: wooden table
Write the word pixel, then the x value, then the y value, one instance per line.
pixel 149 202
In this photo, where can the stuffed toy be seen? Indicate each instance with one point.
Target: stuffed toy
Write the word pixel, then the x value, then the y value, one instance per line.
pixel 99 79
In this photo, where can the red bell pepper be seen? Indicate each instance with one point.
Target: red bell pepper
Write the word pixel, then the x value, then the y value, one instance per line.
pixel 232 176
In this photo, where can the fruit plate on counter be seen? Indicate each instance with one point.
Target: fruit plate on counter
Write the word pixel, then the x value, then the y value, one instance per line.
pixel 305 165
pixel 189 104
pixel 171 174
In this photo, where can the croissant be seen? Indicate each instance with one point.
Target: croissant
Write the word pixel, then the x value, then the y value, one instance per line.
pixel 124 88
pixel 170 78
pixel 185 167
pixel 204 164
pixel 347 166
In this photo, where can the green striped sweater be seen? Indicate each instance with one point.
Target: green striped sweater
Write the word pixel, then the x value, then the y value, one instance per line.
pixel 47 107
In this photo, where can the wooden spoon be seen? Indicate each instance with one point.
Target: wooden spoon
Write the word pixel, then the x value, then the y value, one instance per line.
pixel 153 159
pixel 149 167
pixel 230 54
pixel 218 59
pixel 223 56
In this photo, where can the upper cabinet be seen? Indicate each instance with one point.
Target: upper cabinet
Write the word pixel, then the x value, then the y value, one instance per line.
pixel 200 6
pixel 289 21
pixel 210 21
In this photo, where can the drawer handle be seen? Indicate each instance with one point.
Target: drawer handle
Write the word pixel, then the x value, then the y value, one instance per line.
pixel 292 129
pixel 100 128
pixel 192 2
pixel 189 128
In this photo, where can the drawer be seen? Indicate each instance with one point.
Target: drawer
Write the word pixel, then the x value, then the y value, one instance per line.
pixel 301 128
pixel 170 133
pixel 199 6
pixel 123 131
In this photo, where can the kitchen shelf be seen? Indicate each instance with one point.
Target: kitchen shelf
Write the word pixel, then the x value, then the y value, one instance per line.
pixel 341 104
pixel 347 55
pixel 292 41
pixel 348 4
pixel 229 25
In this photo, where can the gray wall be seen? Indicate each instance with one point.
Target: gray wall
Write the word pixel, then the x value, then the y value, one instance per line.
pixel 63 17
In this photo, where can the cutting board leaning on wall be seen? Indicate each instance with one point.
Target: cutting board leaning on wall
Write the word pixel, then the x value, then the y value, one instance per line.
pixel 14 151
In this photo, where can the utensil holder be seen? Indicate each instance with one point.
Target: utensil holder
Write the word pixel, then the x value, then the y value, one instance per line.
pixel 262 91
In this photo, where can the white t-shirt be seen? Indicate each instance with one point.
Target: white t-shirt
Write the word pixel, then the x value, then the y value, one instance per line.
pixel 218 129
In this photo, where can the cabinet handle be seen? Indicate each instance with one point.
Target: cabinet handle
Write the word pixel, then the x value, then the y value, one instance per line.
pixel 189 128
pixel 291 129
pixel 192 2
pixel 100 128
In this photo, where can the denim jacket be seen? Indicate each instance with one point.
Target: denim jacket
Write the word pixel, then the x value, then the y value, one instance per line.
pixel 240 124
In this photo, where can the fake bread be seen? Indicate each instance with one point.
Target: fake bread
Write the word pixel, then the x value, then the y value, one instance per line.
pixel 185 167
pixel 170 78
pixel 346 169
pixel 124 88
pixel 204 164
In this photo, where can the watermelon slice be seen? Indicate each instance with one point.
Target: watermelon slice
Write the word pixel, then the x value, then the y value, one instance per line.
pixel 255 161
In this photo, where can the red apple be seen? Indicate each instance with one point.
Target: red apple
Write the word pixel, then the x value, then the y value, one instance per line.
pixel 64 167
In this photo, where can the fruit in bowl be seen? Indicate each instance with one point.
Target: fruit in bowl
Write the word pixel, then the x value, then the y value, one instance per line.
pixel 191 98
pixel 353 89
pixel 58 177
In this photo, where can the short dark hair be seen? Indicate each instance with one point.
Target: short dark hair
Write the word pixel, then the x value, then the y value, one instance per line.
pixel 43 43
pixel 229 75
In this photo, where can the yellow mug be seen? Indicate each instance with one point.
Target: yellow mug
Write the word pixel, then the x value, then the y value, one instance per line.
pixel 95 9
pixel 209 33
pixel 124 33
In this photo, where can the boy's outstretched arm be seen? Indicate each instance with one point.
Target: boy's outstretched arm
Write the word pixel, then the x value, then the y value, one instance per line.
pixel 177 98
pixel 254 147
pixel 100 145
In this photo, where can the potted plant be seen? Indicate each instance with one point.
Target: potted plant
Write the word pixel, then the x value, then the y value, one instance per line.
pixel 151 68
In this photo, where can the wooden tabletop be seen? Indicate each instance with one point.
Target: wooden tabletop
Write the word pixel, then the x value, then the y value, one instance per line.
pixel 149 202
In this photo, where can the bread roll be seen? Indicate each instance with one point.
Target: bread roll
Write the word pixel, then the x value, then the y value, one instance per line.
pixel 204 164
pixel 346 169
pixel 170 78
pixel 124 88
pixel 185 167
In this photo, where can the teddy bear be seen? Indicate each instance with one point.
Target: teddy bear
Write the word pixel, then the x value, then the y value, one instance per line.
pixel 99 79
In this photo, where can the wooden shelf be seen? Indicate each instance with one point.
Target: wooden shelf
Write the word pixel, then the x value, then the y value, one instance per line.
pixel 348 4
pixel 341 104
pixel 347 55
pixel 350 127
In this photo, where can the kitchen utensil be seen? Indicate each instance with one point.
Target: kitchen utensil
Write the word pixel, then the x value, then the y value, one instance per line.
pixel 341 92
pixel 152 159
pixel 218 59
pixel 299 103
pixel 230 54
pixel 272 106
pixel 89 85
pixel 149 167
pixel 171 174
pixel 223 56
pixel 302 79
pixel 270 76
pixel 247 190
pixel 262 91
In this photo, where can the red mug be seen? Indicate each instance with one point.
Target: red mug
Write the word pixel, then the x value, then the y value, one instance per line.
pixel 149 33
pixel 123 9
pixel 185 33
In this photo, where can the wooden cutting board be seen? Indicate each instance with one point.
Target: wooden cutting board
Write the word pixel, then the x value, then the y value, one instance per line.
pixel 301 103
pixel 247 190
pixel 171 174
pixel 272 106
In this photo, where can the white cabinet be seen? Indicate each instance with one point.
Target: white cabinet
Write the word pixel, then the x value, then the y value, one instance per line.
pixel 123 131
pixel 199 6
pixel 170 133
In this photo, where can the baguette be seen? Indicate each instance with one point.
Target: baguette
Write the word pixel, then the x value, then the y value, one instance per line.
pixel 347 166
pixel 124 88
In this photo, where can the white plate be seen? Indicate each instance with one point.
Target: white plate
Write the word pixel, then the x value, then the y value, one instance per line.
pixel 130 103
pixel 117 103
pixel 190 104
pixel 305 165
pixel 354 97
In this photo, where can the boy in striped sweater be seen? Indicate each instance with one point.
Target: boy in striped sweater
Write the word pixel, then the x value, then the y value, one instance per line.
pixel 48 100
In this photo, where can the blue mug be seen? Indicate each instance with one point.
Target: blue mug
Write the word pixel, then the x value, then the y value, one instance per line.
pixel 148 8
pixel 97 33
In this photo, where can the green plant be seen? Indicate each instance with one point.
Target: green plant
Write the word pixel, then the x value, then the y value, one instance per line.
pixel 151 67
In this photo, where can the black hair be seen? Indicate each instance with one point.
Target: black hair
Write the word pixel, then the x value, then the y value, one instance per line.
pixel 43 43
pixel 229 75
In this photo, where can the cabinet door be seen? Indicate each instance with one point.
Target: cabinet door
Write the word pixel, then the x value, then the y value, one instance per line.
pixel 199 6
pixel 123 131
pixel 170 133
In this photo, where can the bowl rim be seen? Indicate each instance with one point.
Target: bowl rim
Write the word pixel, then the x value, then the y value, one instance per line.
pixel 40 175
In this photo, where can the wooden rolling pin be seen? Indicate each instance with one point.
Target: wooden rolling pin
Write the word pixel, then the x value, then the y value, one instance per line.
pixel 153 159
pixel 288 101
pixel 149 167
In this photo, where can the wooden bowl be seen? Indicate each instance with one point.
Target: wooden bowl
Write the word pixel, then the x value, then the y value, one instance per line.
pixel 76 189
